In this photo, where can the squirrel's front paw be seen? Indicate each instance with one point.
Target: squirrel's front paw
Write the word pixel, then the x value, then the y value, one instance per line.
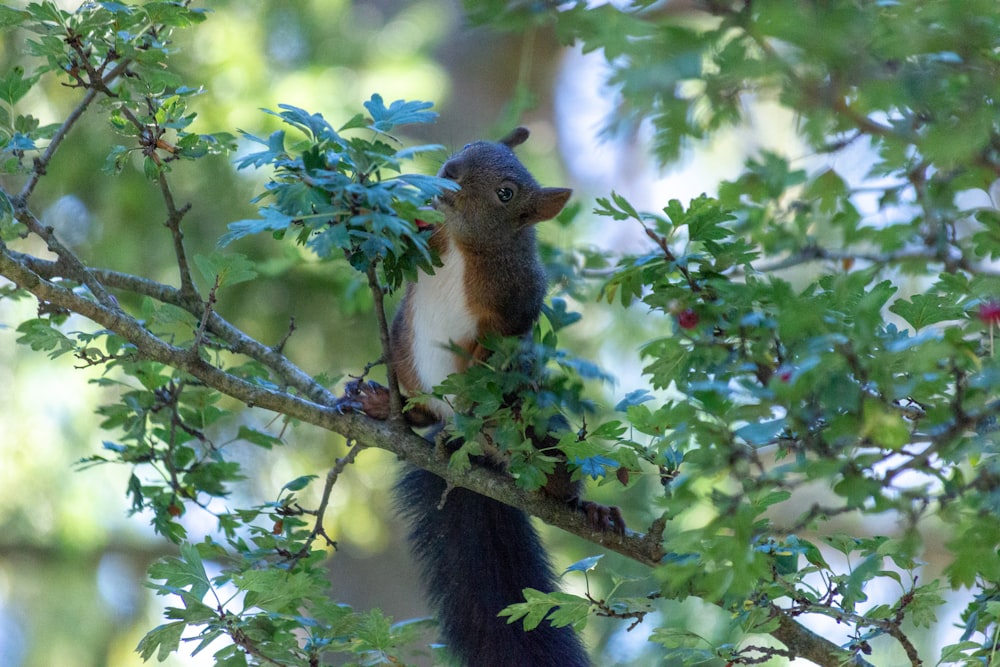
pixel 368 397
pixel 604 518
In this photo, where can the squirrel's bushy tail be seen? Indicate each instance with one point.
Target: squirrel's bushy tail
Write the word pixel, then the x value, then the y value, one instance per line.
pixel 477 555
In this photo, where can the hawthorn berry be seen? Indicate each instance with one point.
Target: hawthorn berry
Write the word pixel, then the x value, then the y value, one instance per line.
pixel 989 312
pixel 687 319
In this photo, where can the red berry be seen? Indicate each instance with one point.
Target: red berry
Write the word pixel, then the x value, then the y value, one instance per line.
pixel 989 312
pixel 785 373
pixel 687 319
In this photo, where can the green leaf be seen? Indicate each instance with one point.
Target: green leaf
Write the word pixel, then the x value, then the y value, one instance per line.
pixel 356 122
pixel 11 17
pixel 924 605
pixel 400 112
pixel 886 429
pixel 184 572
pixel 375 630
pixel 230 269
pixel 299 483
pixel 537 607
pixel 14 85
pixel 275 590
pixel 259 438
pixel 173 14
pixel 230 656
pixel 272 220
pixel 621 209
pixel 40 335
pixel 704 219
pixel 312 124
pixel 925 309
pixel 761 433
pixel 161 640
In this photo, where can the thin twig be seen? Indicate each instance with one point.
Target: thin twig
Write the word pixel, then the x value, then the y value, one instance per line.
pixel 279 348
pixel 173 223
pixel 331 479
pixel 97 85
pixel 199 334
pixel 604 609
pixel 809 254
pixel 378 295
pixel 42 162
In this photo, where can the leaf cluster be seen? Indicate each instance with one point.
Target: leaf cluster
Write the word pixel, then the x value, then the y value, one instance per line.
pixel 121 52
pixel 525 393
pixel 338 195
pixel 271 613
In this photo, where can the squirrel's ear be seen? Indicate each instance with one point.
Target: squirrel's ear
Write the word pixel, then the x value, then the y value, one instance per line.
pixel 516 137
pixel 548 203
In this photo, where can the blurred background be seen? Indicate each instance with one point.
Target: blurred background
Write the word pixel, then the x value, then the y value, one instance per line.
pixel 72 562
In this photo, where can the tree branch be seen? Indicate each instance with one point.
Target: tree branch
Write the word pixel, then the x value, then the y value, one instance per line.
pixel 394 437
pixel 71 266
pixel 809 254
pixel 804 643
pixel 238 342
pixel 42 162
pixel 320 513
pixel 388 435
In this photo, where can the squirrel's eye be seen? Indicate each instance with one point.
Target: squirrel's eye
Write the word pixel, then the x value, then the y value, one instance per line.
pixel 505 194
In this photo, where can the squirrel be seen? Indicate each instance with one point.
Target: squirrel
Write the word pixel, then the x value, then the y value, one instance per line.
pixel 477 555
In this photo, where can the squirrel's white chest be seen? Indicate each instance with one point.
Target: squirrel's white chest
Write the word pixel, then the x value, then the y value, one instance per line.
pixel 440 317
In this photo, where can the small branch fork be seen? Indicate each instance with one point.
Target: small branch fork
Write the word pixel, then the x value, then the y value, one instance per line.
pixel 604 609
pixel 173 223
pixel 319 530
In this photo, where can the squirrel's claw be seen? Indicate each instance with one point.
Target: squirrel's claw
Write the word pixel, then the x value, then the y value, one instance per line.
pixel 368 397
pixel 346 404
pixel 603 518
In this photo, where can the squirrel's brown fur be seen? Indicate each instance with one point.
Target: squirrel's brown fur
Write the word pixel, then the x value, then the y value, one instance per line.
pixel 491 280
pixel 478 555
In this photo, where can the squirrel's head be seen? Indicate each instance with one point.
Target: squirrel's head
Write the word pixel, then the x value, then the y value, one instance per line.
pixel 498 197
